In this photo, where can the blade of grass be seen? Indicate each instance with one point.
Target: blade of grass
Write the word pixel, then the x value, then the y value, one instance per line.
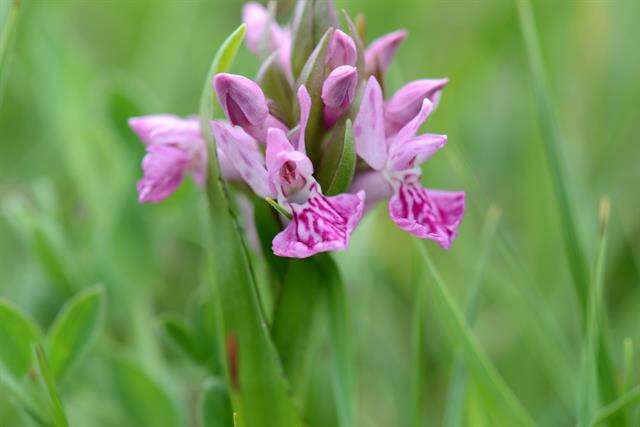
pixel 258 390
pixel 8 23
pixel 418 359
pixel 458 385
pixel 461 337
pixel 588 391
pixel 616 407
pixel 553 143
pixel 629 369
pixel 59 417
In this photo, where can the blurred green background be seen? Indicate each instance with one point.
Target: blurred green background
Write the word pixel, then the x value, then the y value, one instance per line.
pixel 68 167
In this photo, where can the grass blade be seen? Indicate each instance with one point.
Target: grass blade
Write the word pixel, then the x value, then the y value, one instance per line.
pixel 59 417
pixel 8 23
pixel 553 142
pixel 461 337
pixel 458 387
pixel 258 390
pixel 617 407
pixel 588 391
pixel 418 359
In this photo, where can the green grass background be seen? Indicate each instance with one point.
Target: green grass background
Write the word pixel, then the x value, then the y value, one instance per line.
pixel 68 164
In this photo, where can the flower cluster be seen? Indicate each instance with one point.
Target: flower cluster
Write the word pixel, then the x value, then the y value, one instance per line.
pixel 280 127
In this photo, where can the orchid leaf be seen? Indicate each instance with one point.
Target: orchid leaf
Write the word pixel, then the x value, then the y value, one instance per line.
pixel 339 161
pixel 214 407
pixel 325 16
pixel 18 334
pixel 74 329
pixel 258 389
pixel 302 35
pixel 312 77
pixel 276 88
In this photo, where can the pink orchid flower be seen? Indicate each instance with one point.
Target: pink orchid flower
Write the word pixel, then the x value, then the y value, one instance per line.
pixel 394 159
pixel 338 92
pixel 318 223
pixel 380 53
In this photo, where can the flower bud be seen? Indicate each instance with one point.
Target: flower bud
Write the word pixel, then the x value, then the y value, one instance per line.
pixel 338 92
pixel 406 102
pixel 342 51
pixel 381 51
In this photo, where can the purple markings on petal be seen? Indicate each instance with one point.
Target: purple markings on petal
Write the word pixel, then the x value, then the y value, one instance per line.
pixel 342 50
pixel 304 101
pixel 338 92
pixel 320 224
pixel 163 169
pixel 243 152
pixel 428 214
pixel 368 127
pixel 409 154
pixel 407 101
pixel 379 54
pixel 243 102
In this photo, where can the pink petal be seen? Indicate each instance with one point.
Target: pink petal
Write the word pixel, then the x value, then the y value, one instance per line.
pixel 243 102
pixel 257 19
pixel 338 92
pixel 304 101
pixel 409 130
pixel 165 129
pixel 428 214
pixel 342 50
pixel 375 186
pixel 243 153
pixel 368 127
pixel 381 51
pixel 290 171
pixel 320 224
pixel 163 169
pixel 414 152
pixel 407 101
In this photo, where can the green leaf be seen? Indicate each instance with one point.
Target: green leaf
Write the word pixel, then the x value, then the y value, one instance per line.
pixel 339 161
pixel 295 320
pixel 553 144
pixel 18 334
pixel 313 76
pixel 325 16
pixel 418 359
pixel 302 36
pixel 460 336
pixel 340 331
pixel 8 23
pixel 277 88
pixel 74 329
pixel 254 375
pixel 146 401
pixel 181 335
pixel 59 417
pixel 214 407
pixel 459 378
pixel 617 407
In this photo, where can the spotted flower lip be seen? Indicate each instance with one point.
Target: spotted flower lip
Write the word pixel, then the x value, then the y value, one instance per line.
pixel 381 51
pixel 175 148
pixel 338 92
pixel 318 223
pixel 428 214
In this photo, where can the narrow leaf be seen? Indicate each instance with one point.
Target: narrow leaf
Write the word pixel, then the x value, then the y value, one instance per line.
pixel 461 337
pixel 59 417
pixel 617 407
pixel 18 334
pixel 214 407
pixel 8 23
pixel 418 360
pixel 181 335
pixel 253 371
pixel 302 35
pixel 339 160
pixel 355 35
pixel 276 88
pixel 325 16
pixel 74 329
pixel 312 77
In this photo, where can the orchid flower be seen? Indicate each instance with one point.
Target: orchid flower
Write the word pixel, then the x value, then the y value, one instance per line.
pixel 394 159
pixel 174 148
pixel 381 51
pixel 318 223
